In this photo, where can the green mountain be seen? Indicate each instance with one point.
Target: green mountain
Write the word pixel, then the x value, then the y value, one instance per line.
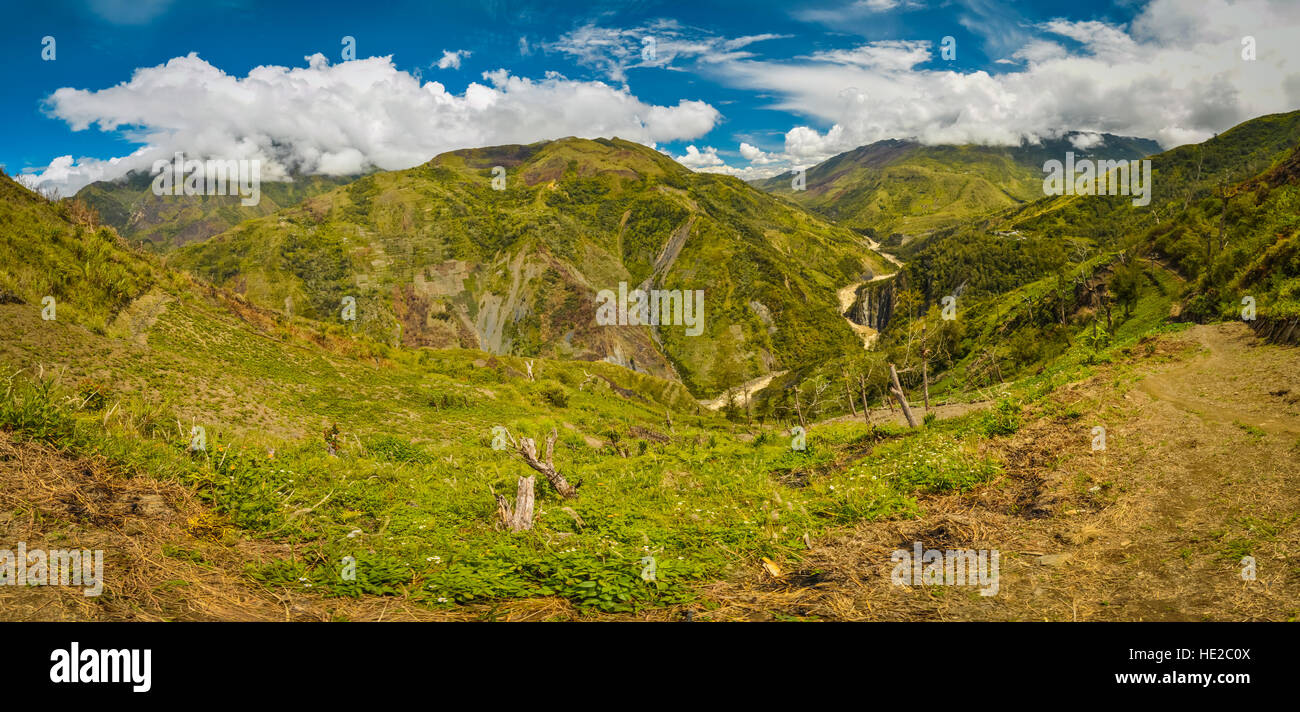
pixel 435 256
pixel 318 447
pixel 1221 233
pixel 165 222
pixel 903 188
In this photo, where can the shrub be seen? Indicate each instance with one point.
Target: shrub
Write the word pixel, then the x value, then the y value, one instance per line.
pixel 556 395
pixel 395 449
pixel 93 394
pixel 1003 419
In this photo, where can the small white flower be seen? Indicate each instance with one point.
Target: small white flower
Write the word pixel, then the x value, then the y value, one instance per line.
pixel 442 600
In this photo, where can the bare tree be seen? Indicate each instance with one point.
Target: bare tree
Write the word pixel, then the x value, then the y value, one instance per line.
pixel 897 390
pixel 526 450
pixel 798 409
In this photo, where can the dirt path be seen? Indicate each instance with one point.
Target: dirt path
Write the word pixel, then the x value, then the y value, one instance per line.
pixel 881 416
pixel 746 391
pixel 1201 468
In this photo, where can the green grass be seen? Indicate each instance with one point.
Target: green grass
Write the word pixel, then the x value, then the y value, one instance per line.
pixel 409 496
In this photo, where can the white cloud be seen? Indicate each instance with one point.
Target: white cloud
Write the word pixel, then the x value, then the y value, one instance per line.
pixel 883 5
pixel 1039 51
pixel 756 155
pixel 342 118
pixel 1174 74
pixel 1084 141
pixel 696 159
pixel 613 51
pixel 888 55
pixel 452 59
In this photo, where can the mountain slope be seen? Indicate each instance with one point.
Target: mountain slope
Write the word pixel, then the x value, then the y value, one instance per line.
pixel 165 222
pixel 434 256
pixel 58 250
pixel 1225 213
pixel 909 188
pixel 1063 277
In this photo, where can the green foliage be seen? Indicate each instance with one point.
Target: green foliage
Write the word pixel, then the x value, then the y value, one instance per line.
pixel 556 395
pixel 394 449
pixel 52 250
pixel 1002 419
pixel 30 407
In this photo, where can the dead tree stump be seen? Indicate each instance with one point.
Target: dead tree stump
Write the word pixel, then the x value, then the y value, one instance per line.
pixel 519 516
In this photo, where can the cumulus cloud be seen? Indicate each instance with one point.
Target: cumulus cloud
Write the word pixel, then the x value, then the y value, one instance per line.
pixel 344 118
pixel 1085 141
pixel 756 155
pixel 452 59
pixel 1174 74
pixel 696 159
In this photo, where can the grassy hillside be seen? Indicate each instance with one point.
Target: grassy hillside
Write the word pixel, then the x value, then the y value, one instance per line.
pixel 59 250
pixel 434 256
pixel 903 188
pixel 163 223
pixel 409 493
pixel 1223 213
pixel 1078 274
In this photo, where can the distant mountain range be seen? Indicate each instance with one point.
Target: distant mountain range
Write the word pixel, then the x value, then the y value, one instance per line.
pixel 162 223
pixel 905 187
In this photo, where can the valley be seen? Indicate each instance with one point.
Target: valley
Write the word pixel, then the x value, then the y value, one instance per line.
pixel 384 467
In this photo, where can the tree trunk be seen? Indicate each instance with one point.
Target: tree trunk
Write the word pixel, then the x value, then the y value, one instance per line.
pixel 901 396
pixel 798 408
pixel 925 378
pixel 518 517
pixel 527 449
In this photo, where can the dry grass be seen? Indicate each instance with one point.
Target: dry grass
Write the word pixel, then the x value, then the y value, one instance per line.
pixel 1144 530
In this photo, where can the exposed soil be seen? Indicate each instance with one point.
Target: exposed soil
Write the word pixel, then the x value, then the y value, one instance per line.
pixel 1201 467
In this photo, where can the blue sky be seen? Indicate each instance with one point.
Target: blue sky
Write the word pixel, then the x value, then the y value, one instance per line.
pixel 749 88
